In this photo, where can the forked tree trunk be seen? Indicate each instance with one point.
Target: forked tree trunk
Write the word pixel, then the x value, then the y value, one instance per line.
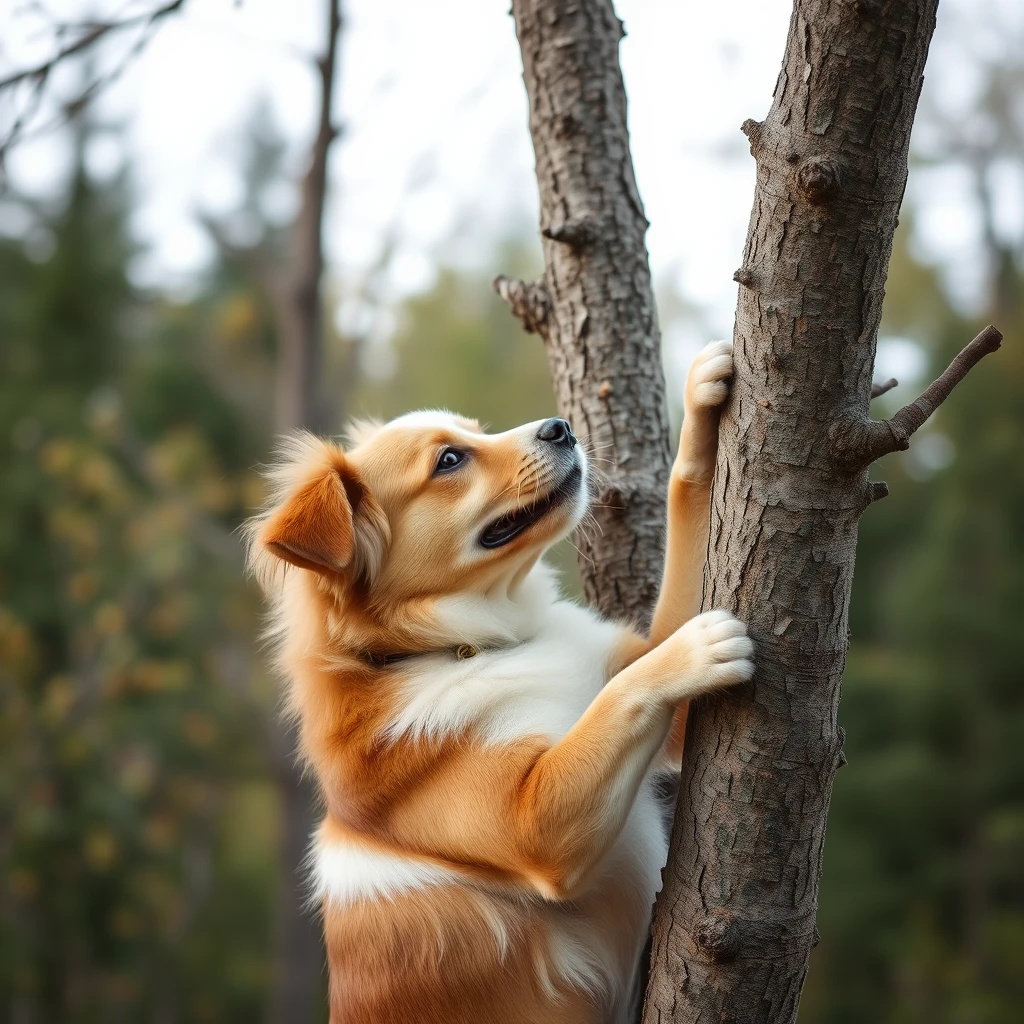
pixel 736 918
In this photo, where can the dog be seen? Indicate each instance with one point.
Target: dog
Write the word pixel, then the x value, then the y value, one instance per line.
pixel 491 843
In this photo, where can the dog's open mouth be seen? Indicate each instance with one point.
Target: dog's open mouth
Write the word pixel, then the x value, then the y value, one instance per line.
pixel 511 524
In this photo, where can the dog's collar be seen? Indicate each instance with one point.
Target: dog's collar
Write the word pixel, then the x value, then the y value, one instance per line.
pixel 380 659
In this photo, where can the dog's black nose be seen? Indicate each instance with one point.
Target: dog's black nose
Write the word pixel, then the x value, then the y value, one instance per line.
pixel 557 432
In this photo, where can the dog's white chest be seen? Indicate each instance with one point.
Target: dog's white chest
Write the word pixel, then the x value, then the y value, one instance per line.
pixel 538 687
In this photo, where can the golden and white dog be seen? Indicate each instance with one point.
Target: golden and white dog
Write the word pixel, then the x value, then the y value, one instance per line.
pixel 491 845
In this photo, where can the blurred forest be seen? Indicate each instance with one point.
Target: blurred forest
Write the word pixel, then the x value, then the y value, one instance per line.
pixel 139 812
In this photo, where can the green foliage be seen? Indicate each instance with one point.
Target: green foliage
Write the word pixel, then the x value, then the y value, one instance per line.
pixel 922 903
pixel 129 729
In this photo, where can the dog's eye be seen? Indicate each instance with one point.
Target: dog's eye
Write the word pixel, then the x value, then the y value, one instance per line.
pixel 450 458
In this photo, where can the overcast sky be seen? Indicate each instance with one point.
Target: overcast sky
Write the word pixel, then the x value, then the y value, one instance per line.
pixel 435 139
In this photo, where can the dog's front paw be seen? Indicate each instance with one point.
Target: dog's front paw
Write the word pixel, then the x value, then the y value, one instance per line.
pixel 714 651
pixel 707 384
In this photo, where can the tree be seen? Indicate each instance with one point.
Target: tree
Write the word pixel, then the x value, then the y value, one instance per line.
pixel 595 307
pixel 735 923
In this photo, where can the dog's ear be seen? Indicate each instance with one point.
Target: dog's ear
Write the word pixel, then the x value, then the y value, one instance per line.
pixel 321 516
pixel 315 528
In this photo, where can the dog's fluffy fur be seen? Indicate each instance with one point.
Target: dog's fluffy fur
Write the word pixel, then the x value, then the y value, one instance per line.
pixel 491 846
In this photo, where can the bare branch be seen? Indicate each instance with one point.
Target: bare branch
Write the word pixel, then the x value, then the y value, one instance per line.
pixel 880 389
pixel 858 443
pixel 88 35
pixel 529 302
pixel 92 33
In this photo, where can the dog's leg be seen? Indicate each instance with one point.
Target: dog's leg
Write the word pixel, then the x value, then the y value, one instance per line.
pixel 548 813
pixel 689 507
pixel 689 491
pixel 579 792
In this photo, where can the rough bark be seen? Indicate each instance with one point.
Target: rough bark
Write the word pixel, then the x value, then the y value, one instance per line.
pixel 736 919
pixel 595 306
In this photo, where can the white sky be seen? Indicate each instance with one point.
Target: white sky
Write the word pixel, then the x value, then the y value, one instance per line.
pixel 435 144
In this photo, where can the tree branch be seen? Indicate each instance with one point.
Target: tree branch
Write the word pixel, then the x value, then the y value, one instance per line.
pixel 529 301
pixel 91 35
pixel 860 442
pixel 881 389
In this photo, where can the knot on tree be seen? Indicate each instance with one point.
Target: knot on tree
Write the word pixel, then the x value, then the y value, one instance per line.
pixel 755 131
pixel 576 232
pixel 865 9
pixel 529 301
pixel 718 935
pixel 744 276
pixel 818 178
pixel 876 491
pixel 841 742
pixel 564 126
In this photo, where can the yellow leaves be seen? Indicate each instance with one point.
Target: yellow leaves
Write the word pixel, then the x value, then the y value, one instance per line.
pixel 199 729
pixel 97 477
pixel 160 832
pixel 15 640
pixel 76 529
pixel 57 457
pixel 58 699
pixel 158 676
pixel 161 524
pixel 82 586
pixel 182 456
pixel 109 619
pixel 237 320
pixel 87 468
pixel 100 849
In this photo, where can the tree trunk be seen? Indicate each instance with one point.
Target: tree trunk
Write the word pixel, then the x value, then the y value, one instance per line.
pixel 595 307
pixel 299 955
pixel 736 919
pixel 301 400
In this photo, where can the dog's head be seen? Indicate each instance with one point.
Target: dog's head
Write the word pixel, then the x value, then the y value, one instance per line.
pixel 424 507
